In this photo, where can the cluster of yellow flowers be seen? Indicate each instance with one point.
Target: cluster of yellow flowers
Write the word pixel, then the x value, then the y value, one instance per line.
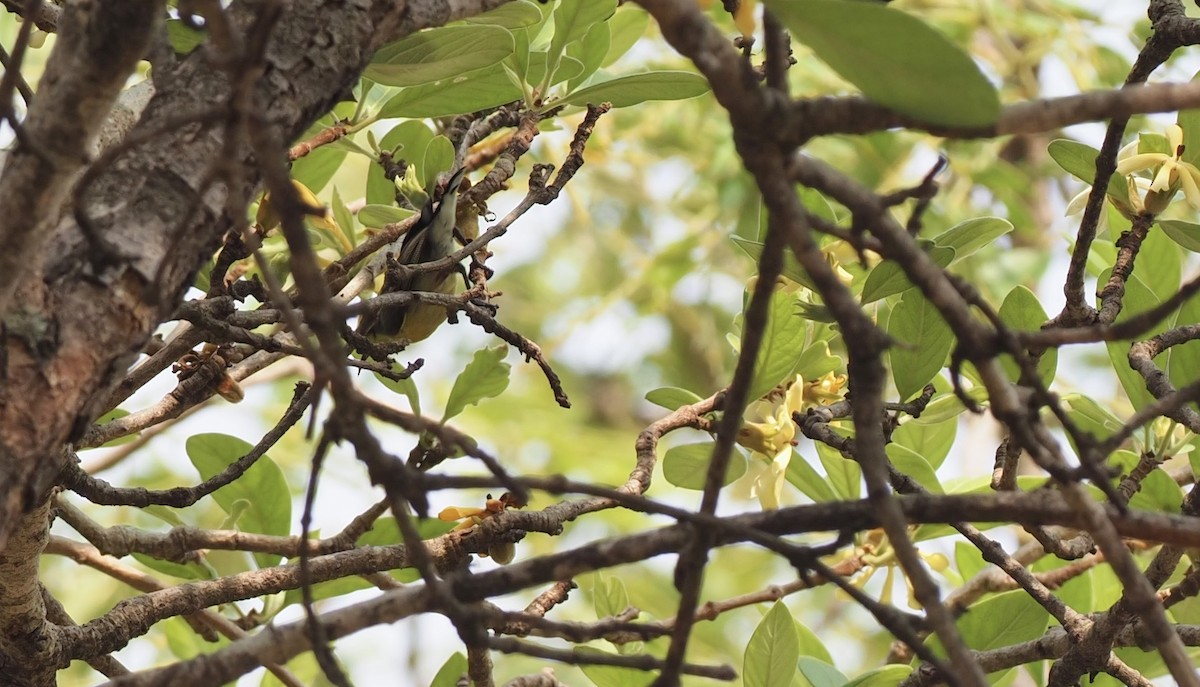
pixel 1169 175
pixel 772 439
pixel 876 553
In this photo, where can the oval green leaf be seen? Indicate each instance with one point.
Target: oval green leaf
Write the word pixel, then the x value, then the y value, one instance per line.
pixel 625 91
pixel 810 482
pixel 1079 160
pixel 439 157
pixel 451 671
pixel 1186 234
pixel 969 236
pixel 686 466
pixel 260 495
pixel 888 279
pixel 573 19
pixel 817 673
pixel 782 344
pixel 773 652
pixel 459 95
pixel 895 58
pixel 486 376
pixel 1023 311
pixel 672 397
pixel 625 28
pixel 382 215
pixel 844 475
pixel 923 340
pixel 442 53
pixel 514 15
pixel 912 464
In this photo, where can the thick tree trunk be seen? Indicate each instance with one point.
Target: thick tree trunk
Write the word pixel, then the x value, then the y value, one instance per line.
pixel 75 309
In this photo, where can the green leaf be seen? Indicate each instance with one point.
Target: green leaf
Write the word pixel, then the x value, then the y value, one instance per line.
pixel 791 267
pixel 376 216
pixel 184 571
pixel 915 466
pixel 406 387
pixel 773 652
pixel 385 532
pixel 816 673
pixel 887 278
pixel 1079 160
pixel 844 474
pixel 486 376
pixel 967 237
pixel 609 597
pixel 1158 266
pixel 380 190
pixel 183 38
pixel 590 52
pixel 1090 416
pixel 513 15
pixel 945 406
pixel 672 397
pixel 408 140
pixel 931 441
pixel 686 466
pixel 1138 298
pixel 923 340
pixel 810 483
pixel 968 560
pixel 612 676
pixel 478 90
pixel 625 28
pixel 442 53
pixel 1003 620
pixel 1186 234
pixel 812 646
pixel 1158 492
pixel 1149 142
pixel 450 672
pixel 815 202
pixel 1189 121
pixel 633 89
pixel 782 343
pixel 260 494
pixel 185 643
pixel 116 414
pixel 304 669
pixel 572 20
pixel 1184 366
pixel 318 167
pixel 816 360
pixel 343 217
pixel 1022 311
pixel 439 157
pixel 887 676
pixel 895 58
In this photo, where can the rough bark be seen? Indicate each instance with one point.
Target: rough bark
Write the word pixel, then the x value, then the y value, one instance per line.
pixel 85 299
pixel 83 314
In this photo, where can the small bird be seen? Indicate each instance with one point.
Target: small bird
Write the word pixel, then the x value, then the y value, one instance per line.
pixel 431 238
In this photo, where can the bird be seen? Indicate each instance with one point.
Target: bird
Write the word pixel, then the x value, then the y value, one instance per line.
pixel 431 238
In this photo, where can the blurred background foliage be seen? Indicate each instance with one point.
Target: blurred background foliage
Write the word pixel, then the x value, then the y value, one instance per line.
pixel 630 282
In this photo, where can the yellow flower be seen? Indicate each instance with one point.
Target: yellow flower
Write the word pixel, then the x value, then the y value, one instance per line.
pixel 827 388
pixel 771 444
pixel 1129 207
pixel 500 551
pixel 1170 173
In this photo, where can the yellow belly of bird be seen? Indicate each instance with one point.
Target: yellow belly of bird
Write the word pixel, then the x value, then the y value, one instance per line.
pixel 422 319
